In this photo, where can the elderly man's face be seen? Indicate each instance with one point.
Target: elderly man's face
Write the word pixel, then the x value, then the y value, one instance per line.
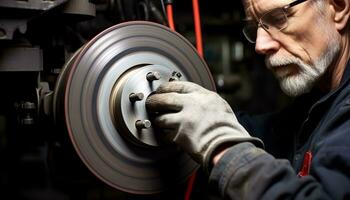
pixel 300 53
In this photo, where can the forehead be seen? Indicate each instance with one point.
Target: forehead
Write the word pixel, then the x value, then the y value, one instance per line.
pixel 255 8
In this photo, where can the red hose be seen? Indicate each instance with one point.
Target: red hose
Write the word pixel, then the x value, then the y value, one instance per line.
pixel 199 45
pixel 169 10
pixel 197 26
pixel 190 185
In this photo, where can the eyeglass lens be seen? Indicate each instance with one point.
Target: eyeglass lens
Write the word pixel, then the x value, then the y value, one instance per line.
pixel 275 19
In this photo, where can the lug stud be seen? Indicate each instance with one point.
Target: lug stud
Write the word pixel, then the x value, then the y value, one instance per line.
pixel 136 97
pixel 142 124
pixel 152 76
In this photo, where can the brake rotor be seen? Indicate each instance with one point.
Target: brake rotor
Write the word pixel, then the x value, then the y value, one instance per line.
pixel 102 90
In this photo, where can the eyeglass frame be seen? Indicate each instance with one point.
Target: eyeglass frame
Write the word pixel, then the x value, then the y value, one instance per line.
pixel 263 25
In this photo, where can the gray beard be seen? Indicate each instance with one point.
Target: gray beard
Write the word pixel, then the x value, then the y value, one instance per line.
pixel 305 79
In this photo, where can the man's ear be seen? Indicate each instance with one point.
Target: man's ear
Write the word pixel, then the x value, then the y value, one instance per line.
pixel 341 15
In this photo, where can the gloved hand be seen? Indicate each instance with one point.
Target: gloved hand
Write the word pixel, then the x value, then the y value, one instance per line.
pixel 196 119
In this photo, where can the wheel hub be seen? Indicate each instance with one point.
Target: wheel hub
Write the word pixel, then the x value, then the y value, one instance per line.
pixel 102 92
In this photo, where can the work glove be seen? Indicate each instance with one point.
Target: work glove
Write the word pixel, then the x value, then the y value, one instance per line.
pixel 196 119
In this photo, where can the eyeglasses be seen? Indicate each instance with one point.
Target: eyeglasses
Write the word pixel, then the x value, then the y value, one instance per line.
pixel 275 19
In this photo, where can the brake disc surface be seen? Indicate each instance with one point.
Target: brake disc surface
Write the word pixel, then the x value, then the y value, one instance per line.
pixel 94 91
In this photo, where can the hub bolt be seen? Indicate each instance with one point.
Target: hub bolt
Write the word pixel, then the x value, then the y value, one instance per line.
pixel 136 97
pixel 141 124
pixel 152 76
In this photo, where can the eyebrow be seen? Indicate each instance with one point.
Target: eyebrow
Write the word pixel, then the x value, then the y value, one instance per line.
pixel 251 18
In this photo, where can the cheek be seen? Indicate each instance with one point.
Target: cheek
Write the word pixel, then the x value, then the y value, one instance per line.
pixel 305 41
pixel 316 40
pixel 310 33
pixel 293 45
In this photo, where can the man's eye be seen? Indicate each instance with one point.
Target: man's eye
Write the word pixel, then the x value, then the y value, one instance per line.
pixel 275 18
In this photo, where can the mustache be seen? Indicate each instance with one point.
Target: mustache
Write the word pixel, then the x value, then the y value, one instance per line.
pixel 278 61
pixel 275 60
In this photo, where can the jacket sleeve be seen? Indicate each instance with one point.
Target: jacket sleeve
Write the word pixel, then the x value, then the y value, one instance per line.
pixel 247 172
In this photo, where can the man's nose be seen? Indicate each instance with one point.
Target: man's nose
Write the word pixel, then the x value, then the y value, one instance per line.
pixel 265 44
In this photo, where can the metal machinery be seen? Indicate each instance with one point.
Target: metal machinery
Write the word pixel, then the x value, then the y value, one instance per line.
pixel 64 95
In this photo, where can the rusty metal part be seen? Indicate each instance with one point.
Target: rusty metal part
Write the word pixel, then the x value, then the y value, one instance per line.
pixel 94 91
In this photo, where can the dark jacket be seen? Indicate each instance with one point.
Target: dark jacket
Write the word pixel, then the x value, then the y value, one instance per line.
pixel 315 123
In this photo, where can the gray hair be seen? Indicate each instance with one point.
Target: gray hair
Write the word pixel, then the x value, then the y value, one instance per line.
pixel 320 5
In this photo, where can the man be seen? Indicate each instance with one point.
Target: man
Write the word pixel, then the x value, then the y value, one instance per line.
pixel 306 153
